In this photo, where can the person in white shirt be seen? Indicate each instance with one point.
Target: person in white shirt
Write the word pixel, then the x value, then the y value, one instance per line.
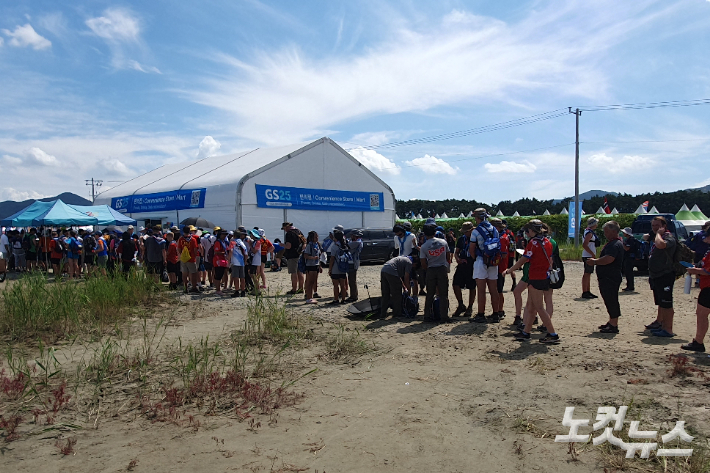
pixel 4 253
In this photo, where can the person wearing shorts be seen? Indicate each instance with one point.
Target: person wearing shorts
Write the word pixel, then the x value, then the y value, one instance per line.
pixel 702 309
pixel 292 244
pixel 485 276
pixel 337 275
pixel 173 260
pixel 189 267
pixel 238 253
pixel 503 265
pixel 4 254
pixel 220 262
pixel 589 250
pixel 155 254
pixel 661 276
pixel 463 276
pixel 311 255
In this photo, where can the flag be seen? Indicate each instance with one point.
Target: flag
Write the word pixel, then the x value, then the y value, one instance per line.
pixel 606 206
pixel 645 206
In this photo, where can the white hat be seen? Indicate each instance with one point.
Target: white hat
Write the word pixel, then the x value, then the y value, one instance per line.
pixel 628 231
pixel 338 228
pixel 262 233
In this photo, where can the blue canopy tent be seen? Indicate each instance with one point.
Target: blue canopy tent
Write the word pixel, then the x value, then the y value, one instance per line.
pixel 53 213
pixel 105 215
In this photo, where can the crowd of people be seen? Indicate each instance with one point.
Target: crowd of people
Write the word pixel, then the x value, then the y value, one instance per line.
pixel 486 252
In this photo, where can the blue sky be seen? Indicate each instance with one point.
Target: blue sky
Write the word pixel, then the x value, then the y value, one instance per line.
pixel 111 90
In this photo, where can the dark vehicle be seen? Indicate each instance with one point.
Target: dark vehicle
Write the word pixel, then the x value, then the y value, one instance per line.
pixel 642 226
pixel 377 244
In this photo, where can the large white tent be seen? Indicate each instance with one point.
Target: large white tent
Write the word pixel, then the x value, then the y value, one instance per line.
pixel 564 211
pixel 315 185
pixel 640 210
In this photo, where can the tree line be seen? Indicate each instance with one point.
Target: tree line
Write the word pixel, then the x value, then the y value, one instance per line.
pixel 665 202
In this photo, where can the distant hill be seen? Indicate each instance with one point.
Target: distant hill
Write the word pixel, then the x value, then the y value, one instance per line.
pixel 702 189
pixel 10 207
pixel 588 195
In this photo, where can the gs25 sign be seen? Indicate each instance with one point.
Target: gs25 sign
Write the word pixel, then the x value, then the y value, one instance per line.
pixel 277 194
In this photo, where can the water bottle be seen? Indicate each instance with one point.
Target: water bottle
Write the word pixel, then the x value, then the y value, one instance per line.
pixel 688 283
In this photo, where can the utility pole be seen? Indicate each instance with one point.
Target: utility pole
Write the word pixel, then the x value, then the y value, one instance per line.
pixel 577 211
pixel 94 183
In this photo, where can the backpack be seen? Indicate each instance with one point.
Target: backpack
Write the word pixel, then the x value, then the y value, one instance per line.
pixel 301 242
pixel 129 249
pixel 89 244
pixel 491 247
pixel 60 247
pixel 185 255
pixel 560 267
pixel 26 243
pixel 344 259
pixel 682 253
pixel 74 246
pixel 210 253
pixel 410 306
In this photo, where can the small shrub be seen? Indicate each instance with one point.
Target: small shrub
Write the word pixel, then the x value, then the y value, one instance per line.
pixel 66 448
pixel 10 425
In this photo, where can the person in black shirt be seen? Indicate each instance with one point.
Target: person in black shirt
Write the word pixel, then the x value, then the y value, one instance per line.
pixel 294 248
pixel 632 248
pixel 609 275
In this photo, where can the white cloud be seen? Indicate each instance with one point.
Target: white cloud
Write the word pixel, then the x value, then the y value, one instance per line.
pixel 458 60
pixel 11 160
pixel 27 36
pixel 1 41
pixel 432 165
pixel 115 166
pixel 614 165
pixel 38 156
pixel 133 64
pixel 208 147
pixel 116 25
pixel 8 193
pixel 374 161
pixel 511 167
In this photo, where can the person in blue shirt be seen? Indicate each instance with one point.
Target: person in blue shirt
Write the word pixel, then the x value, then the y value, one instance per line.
pixel 279 250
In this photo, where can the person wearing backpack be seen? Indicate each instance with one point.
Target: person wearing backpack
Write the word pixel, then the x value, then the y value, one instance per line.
pixel 188 250
pixel 702 308
pixel 661 276
pixel 219 261
pixel 485 245
pixel 512 254
pixel 609 274
pixel 155 254
pixel 126 252
pixel 435 258
pixel 267 248
pixel 294 242
pixel 463 276
pixel 238 254
pixel 502 265
pixel 355 245
pixel 18 251
pixel 311 256
pixel 90 244
pixel 30 244
pixel 73 254
pixel 338 267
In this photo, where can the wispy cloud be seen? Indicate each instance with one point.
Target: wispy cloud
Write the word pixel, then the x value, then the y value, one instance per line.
pixel 121 30
pixel 41 157
pixel 620 164
pixel 8 193
pixel 511 167
pixel 459 59
pixel 26 36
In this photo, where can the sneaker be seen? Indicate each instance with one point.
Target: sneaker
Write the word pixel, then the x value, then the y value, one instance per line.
pixel 494 318
pixel 460 310
pixel 334 302
pixel 536 321
pixel 243 294
pixel 592 296
pixel 292 291
pixel 602 326
pixel 542 328
pixel 311 301
pixel 694 346
pixel 522 336
pixel 662 333
pixel 468 313
pixel 550 339
pixel 609 329
pixel 653 325
pixel 501 314
pixel 518 320
pixel 628 289
pixel 479 319
pixel 316 296
pixel 235 294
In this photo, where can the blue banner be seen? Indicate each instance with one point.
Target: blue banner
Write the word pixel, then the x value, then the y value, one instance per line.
pixel 161 201
pixel 318 199
pixel 572 222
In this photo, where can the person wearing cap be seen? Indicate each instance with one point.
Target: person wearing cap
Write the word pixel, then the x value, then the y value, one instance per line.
pixel 609 267
pixel 130 229
pixel 220 259
pixel 435 258
pixel 394 280
pixel 632 249
pixel 463 276
pixel 485 276
pixel 698 245
pixel 512 254
pixel 267 251
pixel 293 242
pixel 539 253
pixel 100 252
pixel 661 276
pixel 338 276
pixel 279 251
pixel 188 245
pixel 405 242
pixel 502 265
pixel 589 250
pixel 254 247
pixel 238 255
pixel 355 244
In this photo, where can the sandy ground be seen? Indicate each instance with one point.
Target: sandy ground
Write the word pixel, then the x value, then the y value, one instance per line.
pixel 453 397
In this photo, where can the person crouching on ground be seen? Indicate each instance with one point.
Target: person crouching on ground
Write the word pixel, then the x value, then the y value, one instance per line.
pixel 539 253
pixel 312 257
pixel 609 265
pixel 702 309
pixel 394 278
pixel 435 259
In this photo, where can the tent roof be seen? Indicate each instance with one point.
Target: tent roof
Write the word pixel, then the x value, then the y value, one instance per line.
pixel 105 214
pixel 499 214
pixel 699 215
pixel 684 209
pixel 564 212
pixel 684 215
pixel 54 212
pixel 547 212
pixel 653 210
pixel 600 210
pixel 516 214
pixel 640 210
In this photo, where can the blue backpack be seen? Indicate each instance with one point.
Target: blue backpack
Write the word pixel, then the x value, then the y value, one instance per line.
pixel 491 246
pixel 410 306
pixel 344 259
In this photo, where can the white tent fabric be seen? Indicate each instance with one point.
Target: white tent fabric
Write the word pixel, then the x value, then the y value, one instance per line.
pixel 699 213
pixel 547 212
pixel 614 211
pixel 437 216
pixel 516 214
pixel 226 188
pixel 600 210
pixel 419 217
pixel 640 210
pixel 444 215
pixel 654 210
pixel 564 212
pixel 396 217
pixel 470 214
pixel 461 215
pixel 499 214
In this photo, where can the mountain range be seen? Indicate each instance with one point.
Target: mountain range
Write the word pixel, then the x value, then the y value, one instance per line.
pixel 10 207
pixel 587 195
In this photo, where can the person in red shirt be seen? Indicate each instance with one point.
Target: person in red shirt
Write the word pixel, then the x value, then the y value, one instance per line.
pixel 173 266
pixel 702 309
pixel 538 253
pixel 503 265
pixel 189 267
pixel 55 256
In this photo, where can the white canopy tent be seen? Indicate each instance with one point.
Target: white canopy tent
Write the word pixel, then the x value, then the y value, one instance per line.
pixel 564 212
pixel 614 211
pixel 640 210
pixel 600 210
pixel 462 215
pixel 547 212
pixel 654 211
pixel 516 214
pixel 499 214
pixel 315 185
pixel 444 215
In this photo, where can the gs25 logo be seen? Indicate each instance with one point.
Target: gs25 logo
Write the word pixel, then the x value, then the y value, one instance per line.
pixel 277 194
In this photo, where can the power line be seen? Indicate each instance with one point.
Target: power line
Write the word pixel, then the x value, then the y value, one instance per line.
pixel 644 141
pixel 473 131
pixel 641 106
